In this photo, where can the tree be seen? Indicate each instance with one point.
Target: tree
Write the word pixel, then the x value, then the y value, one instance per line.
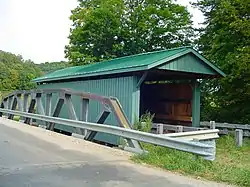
pixel 48 67
pixel 104 29
pixel 226 41
pixel 16 73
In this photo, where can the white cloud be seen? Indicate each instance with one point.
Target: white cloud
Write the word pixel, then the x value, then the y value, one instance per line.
pixel 38 29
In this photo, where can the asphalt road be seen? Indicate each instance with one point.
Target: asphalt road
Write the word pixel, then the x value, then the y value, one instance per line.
pixel 31 156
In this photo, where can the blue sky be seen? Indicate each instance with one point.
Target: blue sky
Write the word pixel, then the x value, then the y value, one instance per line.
pixel 38 29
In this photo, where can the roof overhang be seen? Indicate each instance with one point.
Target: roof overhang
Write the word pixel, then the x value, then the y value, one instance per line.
pixel 162 62
pixel 202 60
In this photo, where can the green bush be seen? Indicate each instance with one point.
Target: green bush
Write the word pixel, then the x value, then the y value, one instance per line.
pixel 144 123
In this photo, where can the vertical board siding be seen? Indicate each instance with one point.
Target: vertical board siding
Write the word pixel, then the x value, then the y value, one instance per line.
pixel 135 102
pixel 196 104
pixel 123 88
pixel 188 63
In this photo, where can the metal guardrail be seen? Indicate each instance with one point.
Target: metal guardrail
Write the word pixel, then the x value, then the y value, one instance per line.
pixel 205 150
pixel 194 135
pixel 238 130
pixel 226 125
pixel 31 101
pixel 226 128
pixel 175 128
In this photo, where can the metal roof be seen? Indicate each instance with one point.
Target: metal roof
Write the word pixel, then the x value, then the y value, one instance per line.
pixel 139 62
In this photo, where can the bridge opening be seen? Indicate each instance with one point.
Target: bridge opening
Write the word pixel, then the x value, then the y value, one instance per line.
pixel 169 101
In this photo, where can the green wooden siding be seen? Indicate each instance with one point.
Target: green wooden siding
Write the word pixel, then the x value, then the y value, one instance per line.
pixel 188 63
pixel 124 88
pixel 135 101
pixel 195 104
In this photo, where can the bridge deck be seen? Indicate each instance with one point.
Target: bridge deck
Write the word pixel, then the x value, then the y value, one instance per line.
pixel 31 156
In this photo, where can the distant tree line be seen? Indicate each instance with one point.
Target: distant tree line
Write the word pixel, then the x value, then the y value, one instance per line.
pixel 17 73
pixel 48 67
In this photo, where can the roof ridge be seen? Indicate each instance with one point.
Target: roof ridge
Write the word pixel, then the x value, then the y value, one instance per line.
pixel 71 67
pixel 108 65
pixel 145 53
pixel 135 55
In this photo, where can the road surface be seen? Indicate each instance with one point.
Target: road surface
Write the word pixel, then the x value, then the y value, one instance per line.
pixel 31 156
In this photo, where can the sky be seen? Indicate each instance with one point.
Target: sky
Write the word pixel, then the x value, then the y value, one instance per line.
pixel 39 29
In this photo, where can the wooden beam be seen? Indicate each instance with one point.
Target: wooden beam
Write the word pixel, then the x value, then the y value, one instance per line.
pixel 195 104
pixel 142 79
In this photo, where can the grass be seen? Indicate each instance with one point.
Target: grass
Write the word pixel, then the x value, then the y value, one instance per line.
pixel 232 164
pixel 16 118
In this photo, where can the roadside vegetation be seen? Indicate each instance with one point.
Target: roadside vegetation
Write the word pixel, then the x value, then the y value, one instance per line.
pixel 232 164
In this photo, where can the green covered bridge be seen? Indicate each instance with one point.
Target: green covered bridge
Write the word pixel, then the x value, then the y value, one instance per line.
pixel 162 82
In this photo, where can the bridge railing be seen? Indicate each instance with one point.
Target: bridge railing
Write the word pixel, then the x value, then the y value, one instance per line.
pixel 31 102
pixel 9 105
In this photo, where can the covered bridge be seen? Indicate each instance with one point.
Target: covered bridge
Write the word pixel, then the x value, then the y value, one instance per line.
pixel 164 83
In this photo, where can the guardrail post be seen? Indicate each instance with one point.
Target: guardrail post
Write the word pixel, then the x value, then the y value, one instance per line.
pixel 212 124
pixel 239 137
pixel 159 129
pixel 179 128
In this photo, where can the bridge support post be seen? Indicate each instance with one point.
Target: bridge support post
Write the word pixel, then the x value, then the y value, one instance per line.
pixel 31 110
pixel 72 112
pixel 101 119
pixel 13 107
pixel 84 112
pixel 39 107
pixel 48 106
pixel 56 112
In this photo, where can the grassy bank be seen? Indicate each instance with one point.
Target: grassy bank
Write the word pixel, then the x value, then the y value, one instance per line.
pixel 232 164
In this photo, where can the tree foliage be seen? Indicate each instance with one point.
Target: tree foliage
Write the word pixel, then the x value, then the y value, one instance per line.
pixel 104 29
pixel 16 73
pixel 226 41
pixel 48 67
